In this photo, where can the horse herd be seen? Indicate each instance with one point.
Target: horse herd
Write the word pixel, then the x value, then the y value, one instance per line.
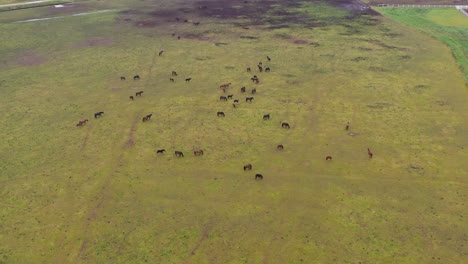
pixel 223 87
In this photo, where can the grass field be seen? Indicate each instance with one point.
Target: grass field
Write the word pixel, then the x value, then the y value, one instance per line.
pixel 445 24
pixel 100 194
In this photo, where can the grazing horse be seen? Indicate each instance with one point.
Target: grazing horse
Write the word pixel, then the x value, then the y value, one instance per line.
pixel 258 177
pixel 369 152
pixel 248 69
pixel 149 116
pixel 285 125
pixel 136 77
pixel 266 117
pixel 268 58
pixel 254 90
pixel 138 93
pixel 249 99
pixel 236 101
pixel 220 114
pixel 260 68
pixel 171 79
pixel 82 122
pixel 174 73
pixel 230 96
pixel 98 114
pixel 146 118
pixel 347 126
pixel 122 78
pixel 223 98
pixel 248 167
pixel 267 69
pixel 243 89
pixel 280 147
pixel 198 152
pixel 131 97
pixel 328 158
pixel 161 52
pixel 179 153
pixel 188 79
pixel 260 63
pixel 224 86
pixel 160 151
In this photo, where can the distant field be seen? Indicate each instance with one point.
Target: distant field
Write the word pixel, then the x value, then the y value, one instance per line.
pixel 100 194
pixel 445 24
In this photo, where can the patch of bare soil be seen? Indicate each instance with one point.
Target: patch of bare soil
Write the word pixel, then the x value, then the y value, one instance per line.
pixel 300 41
pixel 96 42
pixel 29 58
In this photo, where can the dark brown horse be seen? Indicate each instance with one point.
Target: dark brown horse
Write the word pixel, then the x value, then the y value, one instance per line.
pixel 285 125
pixel 82 122
pixel 328 158
pixel 268 58
pixel 258 177
pixel 236 101
pixel 230 96
pixel 174 73
pixel 280 147
pixel 220 114
pixel 98 114
pixel 161 52
pixel 138 93
pixel 136 77
pixel 347 126
pixel 188 79
pixel 267 69
pixel 179 153
pixel 131 97
pixel 224 98
pixel 254 91
pixel 171 79
pixel 260 68
pixel 369 152
pixel 266 117
pixel 198 152
pixel 248 69
pixel 248 167
pixel 122 78
pixel 160 151
pixel 249 99
pixel 242 89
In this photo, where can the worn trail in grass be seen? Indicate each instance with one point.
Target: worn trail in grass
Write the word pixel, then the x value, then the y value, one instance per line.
pixel 99 193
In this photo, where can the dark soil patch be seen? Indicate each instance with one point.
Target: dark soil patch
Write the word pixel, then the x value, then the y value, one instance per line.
pixel 29 58
pixel 300 41
pixel 221 44
pixel 383 45
pixel 248 37
pixel 96 42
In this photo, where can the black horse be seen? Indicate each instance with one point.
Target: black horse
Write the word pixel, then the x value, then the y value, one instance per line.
pixel 174 73
pixel 188 79
pixel 254 90
pixel 122 78
pixel 280 147
pixel 249 99
pixel 179 153
pixel 258 177
pixel 98 114
pixel 172 80
pixel 223 98
pixel 131 97
pixel 285 125
pixel 220 114
pixel 136 77
pixel 260 68
pixel 242 89
pixel 267 69
pixel 236 101
pixel 160 151
pixel 248 69
pixel 248 167
pixel 138 93
pixel 230 96
pixel 266 117
pixel 328 158
pixel 268 58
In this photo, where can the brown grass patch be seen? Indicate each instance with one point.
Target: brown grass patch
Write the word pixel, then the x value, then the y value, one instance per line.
pixel 29 58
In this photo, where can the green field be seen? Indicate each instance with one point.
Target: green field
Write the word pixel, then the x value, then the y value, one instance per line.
pixel 445 24
pixel 100 194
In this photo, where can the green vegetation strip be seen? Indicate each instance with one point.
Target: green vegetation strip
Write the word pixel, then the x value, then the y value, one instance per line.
pixel 31 5
pixel 446 25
